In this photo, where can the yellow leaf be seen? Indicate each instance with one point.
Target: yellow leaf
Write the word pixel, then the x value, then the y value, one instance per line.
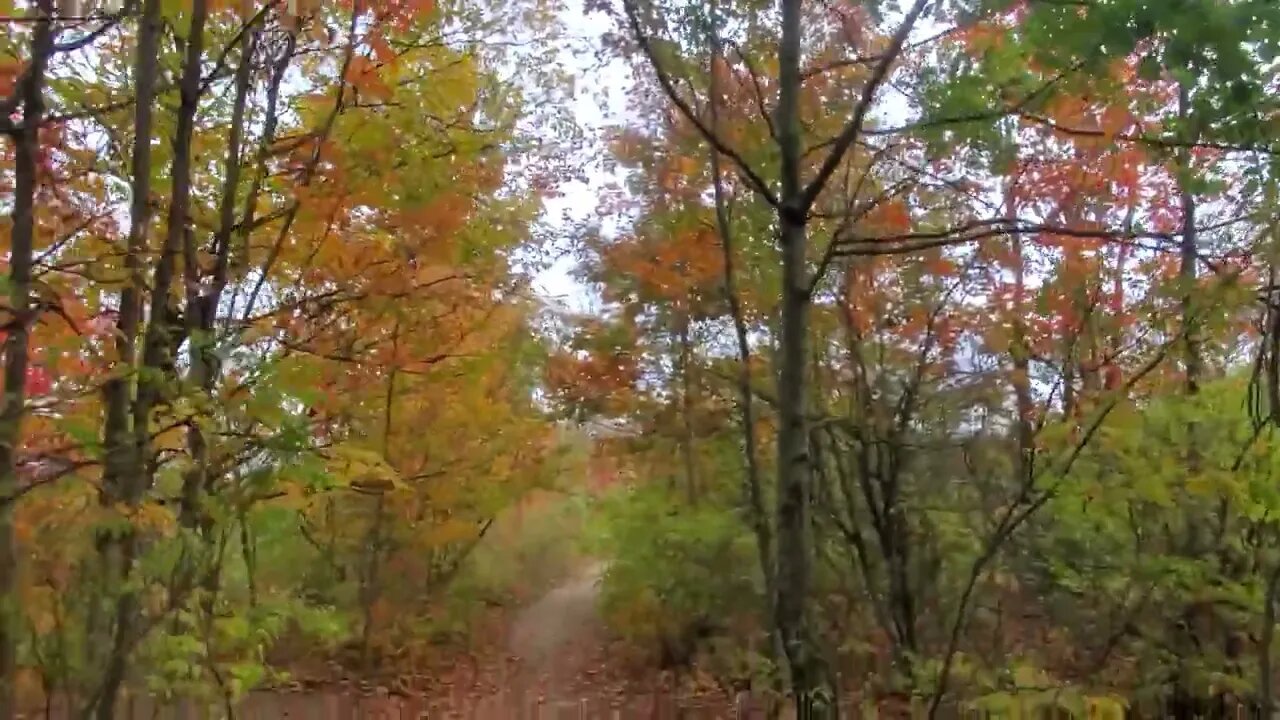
pixel 362 467
pixel 155 518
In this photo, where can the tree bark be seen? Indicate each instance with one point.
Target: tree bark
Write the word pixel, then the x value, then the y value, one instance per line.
pixel 1023 404
pixel 121 455
pixel 793 551
pixel 127 419
pixel 370 576
pixel 202 310
pixel 1266 678
pixel 163 330
pixel 794 473
pixel 1187 269
pixel 26 141
pixel 686 412
pixel 1183 701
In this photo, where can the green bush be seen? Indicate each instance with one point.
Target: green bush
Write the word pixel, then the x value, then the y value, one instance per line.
pixel 676 575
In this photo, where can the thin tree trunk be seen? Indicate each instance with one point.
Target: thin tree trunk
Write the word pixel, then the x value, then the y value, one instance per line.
pixel 1266 676
pixel 1183 701
pixel 118 391
pixel 160 343
pixel 1023 403
pixel 1193 361
pixel 26 140
pixel 793 551
pixel 123 467
pixel 126 424
pixel 1187 269
pixel 202 310
pixel 754 491
pixel 686 413
pixel 248 217
pixel 163 332
pixel 248 553
pixel 369 594
pixel 897 551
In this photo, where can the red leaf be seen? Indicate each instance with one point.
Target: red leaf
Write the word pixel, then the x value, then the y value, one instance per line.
pixel 38 381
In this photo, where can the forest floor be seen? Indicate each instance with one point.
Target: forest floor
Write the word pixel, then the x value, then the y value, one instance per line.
pixel 553 658
pixel 566 663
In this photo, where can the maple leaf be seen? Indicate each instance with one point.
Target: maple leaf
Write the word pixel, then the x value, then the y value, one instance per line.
pixel 892 215
pixel 39 382
pixel 364 75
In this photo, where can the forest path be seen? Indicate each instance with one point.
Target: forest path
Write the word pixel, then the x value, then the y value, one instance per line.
pixel 559 640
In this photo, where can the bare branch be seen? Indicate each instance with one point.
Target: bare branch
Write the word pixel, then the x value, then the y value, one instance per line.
pixel 854 128
pixel 1004 226
pixel 744 168
pixel 878 57
pixel 1149 141
pixel 759 90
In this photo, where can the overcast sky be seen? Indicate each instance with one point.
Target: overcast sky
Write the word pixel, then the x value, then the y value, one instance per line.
pixel 600 102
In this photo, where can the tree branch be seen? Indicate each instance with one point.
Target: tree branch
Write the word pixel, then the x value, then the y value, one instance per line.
pixel 854 128
pixel 744 168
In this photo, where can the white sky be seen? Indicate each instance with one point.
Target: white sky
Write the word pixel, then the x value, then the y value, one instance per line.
pixel 600 102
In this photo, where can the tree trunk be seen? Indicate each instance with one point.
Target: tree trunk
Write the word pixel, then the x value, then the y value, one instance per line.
pixel 202 310
pixel 121 455
pixel 123 472
pixel 163 335
pixel 1266 677
pixel 1184 703
pixel 370 577
pixel 794 471
pixel 1023 404
pixel 1187 270
pixel 686 412
pixel 26 140
pixel 753 489
pixel 793 552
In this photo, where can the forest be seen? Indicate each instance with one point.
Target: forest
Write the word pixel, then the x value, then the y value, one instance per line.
pixel 911 358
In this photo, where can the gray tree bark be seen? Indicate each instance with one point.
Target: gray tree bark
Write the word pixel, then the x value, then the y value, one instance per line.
pixel 26 141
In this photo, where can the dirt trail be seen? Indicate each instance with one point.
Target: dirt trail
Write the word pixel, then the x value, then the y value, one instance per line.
pixel 564 669
pixel 559 639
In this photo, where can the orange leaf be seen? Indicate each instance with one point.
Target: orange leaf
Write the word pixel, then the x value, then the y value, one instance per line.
pixel 362 74
pixel 382 50
pixel 891 215
pixel 939 266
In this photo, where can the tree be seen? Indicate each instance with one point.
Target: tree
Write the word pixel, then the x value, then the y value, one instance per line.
pixel 993 97
pixel 231 287
pixel 25 134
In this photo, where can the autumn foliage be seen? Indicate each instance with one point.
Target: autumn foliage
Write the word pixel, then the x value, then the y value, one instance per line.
pixel 931 358
pixel 277 403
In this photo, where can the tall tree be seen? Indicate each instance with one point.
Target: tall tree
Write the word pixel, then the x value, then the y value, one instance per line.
pixel 28 105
